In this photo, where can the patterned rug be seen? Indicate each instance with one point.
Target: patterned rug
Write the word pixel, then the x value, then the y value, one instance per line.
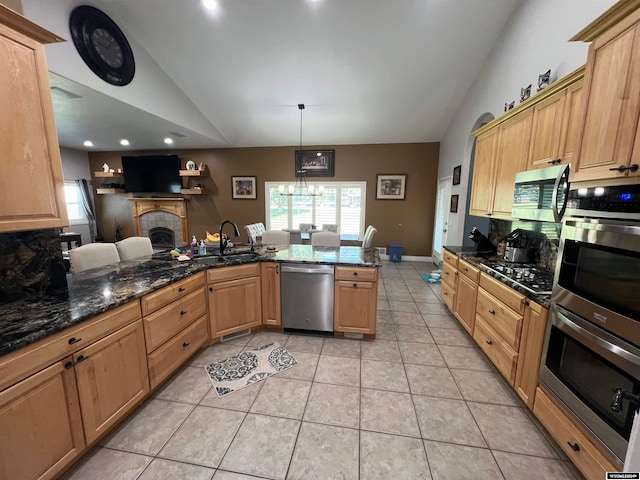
pixel 248 367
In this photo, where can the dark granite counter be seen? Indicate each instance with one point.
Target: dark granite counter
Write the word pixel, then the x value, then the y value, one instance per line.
pixel 95 291
pixel 470 255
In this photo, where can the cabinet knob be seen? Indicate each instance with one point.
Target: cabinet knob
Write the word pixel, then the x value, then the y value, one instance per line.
pixel 574 446
pixel 181 289
pixel 489 342
pixel 492 312
pixel 355 274
pixel 73 340
pixel 355 285
pixel 185 344
pixel 211 289
pixel 68 365
pixel 82 358
pixel 277 269
pixel 183 312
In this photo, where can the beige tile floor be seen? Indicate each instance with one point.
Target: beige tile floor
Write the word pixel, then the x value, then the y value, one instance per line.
pixel 419 402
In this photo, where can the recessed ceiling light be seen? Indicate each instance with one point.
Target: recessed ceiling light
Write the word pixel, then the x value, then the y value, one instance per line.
pixel 124 142
pixel 88 143
pixel 210 4
pixel 168 140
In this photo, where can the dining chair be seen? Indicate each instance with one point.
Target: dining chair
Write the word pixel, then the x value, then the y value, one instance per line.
pixel 368 236
pixel 325 239
pixel 330 227
pixel 305 227
pixel 254 230
pixel 93 255
pixel 295 236
pixel 275 237
pixel 134 247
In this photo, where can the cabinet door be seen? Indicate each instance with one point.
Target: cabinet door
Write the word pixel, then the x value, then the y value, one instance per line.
pixel 464 307
pixel 546 131
pixel 534 328
pixel 234 305
pixel 41 425
pixel 270 279
pixel 112 377
pixel 513 149
pixel 612 92
pixel 355 307
pixel 571 126
pixel 483 173
pixel 32 186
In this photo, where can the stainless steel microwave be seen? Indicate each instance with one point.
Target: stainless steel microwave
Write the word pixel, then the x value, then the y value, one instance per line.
pixel 541 194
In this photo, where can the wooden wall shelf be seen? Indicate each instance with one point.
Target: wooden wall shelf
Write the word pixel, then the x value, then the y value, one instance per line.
pixel 107 174
pixel 193 191
pixel 192 173
pixel 110 191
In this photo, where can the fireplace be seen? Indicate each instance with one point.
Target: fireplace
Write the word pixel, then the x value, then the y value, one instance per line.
pixel 163 220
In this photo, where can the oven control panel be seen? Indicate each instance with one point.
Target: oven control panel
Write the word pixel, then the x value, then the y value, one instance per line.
pixel 624 199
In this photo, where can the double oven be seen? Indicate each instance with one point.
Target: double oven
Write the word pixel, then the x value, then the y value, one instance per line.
pixel 591 358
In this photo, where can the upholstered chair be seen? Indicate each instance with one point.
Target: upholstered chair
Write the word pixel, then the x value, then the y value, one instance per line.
pixel 93 255
pixel 368 236
pixel 325 239
pixel 134 247
pixel 275 237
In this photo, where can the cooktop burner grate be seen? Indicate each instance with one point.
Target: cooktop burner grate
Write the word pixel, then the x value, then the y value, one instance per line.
pixel 529 276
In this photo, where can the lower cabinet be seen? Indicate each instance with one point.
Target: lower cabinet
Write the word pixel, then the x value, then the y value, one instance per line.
pixel 41 424
pixel 355 300
pixel 112 377
pixel 270 280
pixel 235 300
pixel 464 301
pixel 578 447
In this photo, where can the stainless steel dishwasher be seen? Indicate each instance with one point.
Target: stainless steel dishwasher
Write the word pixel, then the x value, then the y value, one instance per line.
pixel 307 296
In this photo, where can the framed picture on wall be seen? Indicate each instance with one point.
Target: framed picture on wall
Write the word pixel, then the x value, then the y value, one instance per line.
pixel 243 188
pixel 391 187
pixel 454 204
pixel 456 174
pixel 315 163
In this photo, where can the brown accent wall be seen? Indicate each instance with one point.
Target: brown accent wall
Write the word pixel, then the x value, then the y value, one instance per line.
pixel 408 222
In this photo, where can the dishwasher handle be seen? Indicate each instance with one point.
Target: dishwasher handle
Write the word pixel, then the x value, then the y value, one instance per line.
pixel 326 269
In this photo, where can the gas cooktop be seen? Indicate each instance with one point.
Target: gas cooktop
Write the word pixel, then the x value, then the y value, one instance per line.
pixel 529 276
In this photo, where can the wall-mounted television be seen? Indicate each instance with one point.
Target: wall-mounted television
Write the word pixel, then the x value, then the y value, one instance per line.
pixel 152 173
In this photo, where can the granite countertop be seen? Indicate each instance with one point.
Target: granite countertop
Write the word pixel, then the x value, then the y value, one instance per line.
pixel 95 291
pixel 470 255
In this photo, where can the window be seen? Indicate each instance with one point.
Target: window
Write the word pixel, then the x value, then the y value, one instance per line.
pixel 342 203
pixel 74 205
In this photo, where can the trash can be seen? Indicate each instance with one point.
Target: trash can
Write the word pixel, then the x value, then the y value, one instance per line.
pixel 395 253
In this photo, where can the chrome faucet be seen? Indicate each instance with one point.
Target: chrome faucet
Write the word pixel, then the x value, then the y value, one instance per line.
pixel 223 242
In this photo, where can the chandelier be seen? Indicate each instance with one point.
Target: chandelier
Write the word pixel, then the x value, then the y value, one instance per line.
pixel 301 189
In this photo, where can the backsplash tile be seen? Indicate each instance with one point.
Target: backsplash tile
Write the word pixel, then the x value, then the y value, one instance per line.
pixel 30 264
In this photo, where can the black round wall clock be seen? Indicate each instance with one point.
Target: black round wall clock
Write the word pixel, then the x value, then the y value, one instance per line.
pixel 102 45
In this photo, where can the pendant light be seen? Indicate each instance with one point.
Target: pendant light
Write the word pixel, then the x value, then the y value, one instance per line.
pixel 301 189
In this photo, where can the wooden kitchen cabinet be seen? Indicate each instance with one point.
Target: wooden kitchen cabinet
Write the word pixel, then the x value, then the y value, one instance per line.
pixel 112 378
pixel 483 172
pixel 464 306
pixel 235 299
pixel 449 274
pixel 355 300
pixel 534 328
pixel 270 281
pixel 574 106
pixel 574 443
pixel 609 130
pixel 548 119
pixel 33 190
pixel 41 424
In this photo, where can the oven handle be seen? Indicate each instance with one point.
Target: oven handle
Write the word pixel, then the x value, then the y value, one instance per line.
pixel 617 351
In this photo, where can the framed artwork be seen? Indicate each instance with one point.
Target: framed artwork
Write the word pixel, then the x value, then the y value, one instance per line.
pixel 243 188
pixel 454 204
pixel 456 174
pixel 315 163
pixel 391 187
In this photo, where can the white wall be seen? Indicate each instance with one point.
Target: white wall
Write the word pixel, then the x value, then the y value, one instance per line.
pixel 75 166
pixel 533 41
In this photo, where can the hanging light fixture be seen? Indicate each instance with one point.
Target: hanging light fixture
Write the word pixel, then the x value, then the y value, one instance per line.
pixel 301 189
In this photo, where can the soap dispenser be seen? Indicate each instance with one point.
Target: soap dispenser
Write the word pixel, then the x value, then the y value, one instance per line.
pixel 194 246
pixel 203 249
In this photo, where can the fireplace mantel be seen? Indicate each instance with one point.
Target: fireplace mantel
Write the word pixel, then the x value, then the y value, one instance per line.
pixel 174 206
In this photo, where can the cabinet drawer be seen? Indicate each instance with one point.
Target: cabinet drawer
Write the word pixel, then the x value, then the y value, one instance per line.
pixel 166 295
pixel 356 273
pixel 447 294
pixel 450 258
pixel 19 364
pixel 231 273
pixel 589 460
pixel 161 325
pixel 505 294
pixel 500 353
pixel 469 270
pixel 500 317
pixel 449 273
pixel 170 356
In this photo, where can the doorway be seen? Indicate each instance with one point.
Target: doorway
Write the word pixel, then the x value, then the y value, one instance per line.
pixel 442 218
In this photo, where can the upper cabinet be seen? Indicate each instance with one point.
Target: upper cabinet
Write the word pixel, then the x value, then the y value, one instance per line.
pixel 32 186
pixel 610 143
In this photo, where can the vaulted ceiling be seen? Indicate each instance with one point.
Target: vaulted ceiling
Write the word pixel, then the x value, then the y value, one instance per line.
pixel 368 71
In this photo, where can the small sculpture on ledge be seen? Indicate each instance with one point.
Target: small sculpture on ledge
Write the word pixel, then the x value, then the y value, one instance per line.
pixel 105 168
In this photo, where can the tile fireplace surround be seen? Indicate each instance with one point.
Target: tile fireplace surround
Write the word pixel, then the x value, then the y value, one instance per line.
pixel 170 213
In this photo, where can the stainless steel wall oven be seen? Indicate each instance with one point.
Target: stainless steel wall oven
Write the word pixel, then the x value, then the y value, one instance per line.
pixel 591 359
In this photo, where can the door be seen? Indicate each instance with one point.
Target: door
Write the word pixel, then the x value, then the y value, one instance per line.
pixel 355 307
pixel 548 119
pixel 442 218
pixel 112 377
pixel 41 424
pixel 234 305
pixel 465 302
pixel 270 278
pixel 483 173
